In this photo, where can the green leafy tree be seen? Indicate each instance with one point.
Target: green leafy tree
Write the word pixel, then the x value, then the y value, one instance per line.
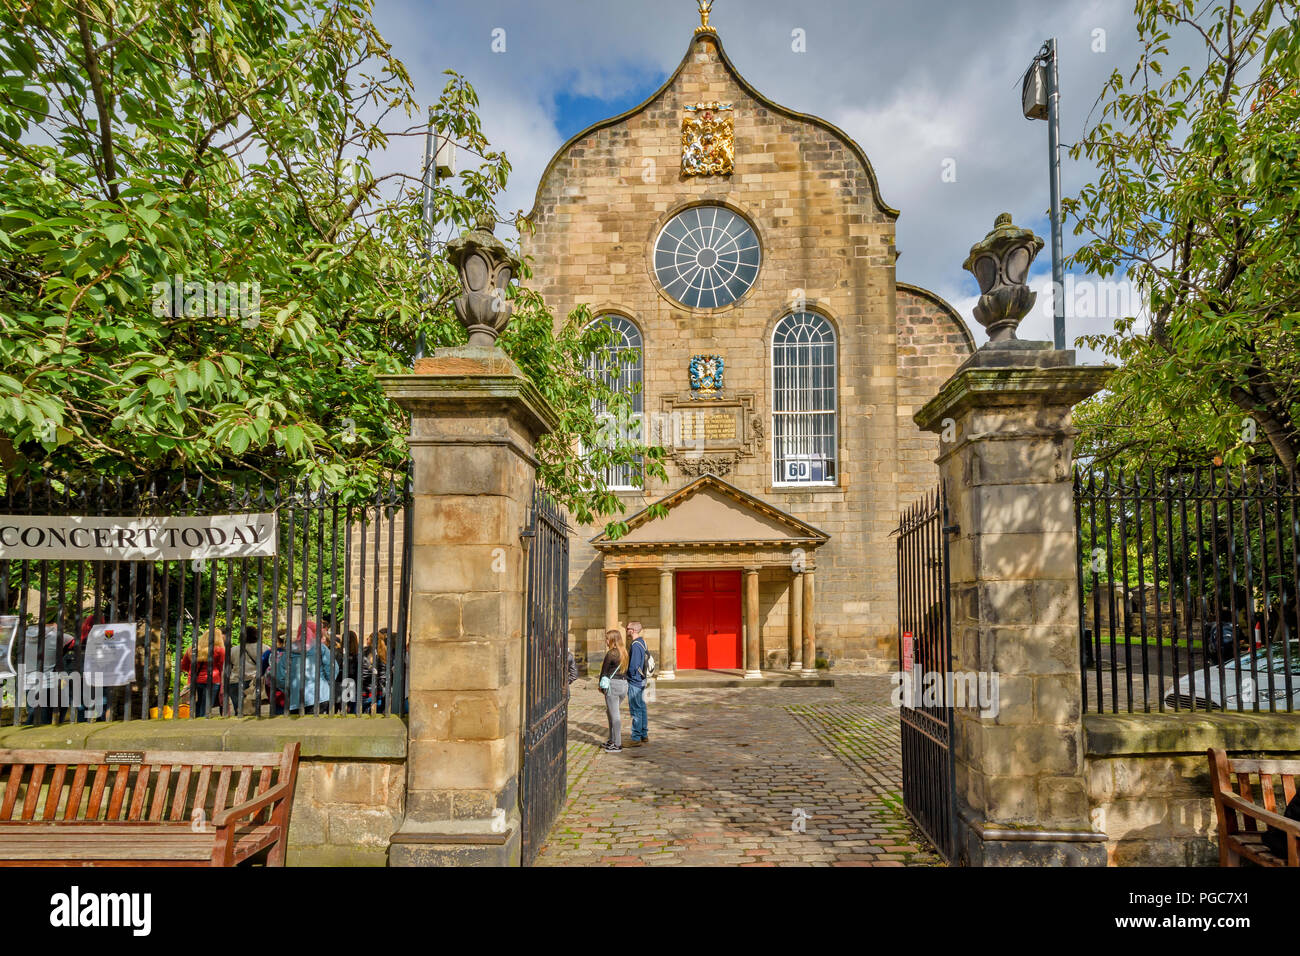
pixel 202 268
pixel 1197 201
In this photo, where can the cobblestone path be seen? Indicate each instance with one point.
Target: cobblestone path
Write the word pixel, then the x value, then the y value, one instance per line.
pixel 726 770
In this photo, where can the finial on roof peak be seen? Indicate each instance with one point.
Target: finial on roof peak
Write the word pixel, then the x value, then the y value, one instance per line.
pixel 705 6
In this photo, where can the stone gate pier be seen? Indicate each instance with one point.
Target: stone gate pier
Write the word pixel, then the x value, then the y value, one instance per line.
pixel 475 422
pixel 1006 451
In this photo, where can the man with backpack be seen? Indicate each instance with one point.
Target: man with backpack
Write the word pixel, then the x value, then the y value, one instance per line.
pixel 640 667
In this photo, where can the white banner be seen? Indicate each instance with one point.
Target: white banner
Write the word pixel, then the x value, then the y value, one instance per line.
pixel 107 538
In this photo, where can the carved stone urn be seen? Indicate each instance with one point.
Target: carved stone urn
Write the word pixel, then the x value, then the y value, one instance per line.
pixel 485 269
pixel 1000 263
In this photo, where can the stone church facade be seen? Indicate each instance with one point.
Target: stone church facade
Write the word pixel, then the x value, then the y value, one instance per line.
pixel 725 235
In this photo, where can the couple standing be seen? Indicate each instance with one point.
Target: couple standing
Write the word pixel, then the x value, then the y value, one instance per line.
pixel 623 674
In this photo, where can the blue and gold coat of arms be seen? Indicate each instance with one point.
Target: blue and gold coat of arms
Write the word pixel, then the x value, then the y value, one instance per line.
pixel 706 374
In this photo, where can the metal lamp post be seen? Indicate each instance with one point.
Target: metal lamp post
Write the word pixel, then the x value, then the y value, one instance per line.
pixel 439 163
pixel 1040 96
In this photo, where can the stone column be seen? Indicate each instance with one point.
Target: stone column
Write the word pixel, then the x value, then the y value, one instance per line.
pixel 1005 459
pixel 667 627
pixel 796 621
pixel 611 605
pixel 753 639
pixel 809 619
pixel 475 421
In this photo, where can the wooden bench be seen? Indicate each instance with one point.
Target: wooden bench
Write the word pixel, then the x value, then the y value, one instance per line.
pixel 1242 820
pixel 144 808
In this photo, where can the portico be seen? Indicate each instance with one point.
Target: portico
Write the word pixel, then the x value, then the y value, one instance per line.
pixel 734 575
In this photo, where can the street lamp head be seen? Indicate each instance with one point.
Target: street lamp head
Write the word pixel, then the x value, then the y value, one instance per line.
pixel 1000 263
pixel 1033 90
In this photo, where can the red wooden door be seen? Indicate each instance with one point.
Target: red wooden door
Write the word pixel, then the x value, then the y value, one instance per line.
pixel 708 620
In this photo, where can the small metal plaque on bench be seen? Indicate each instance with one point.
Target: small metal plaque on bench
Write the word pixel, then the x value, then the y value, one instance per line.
pixel 124 756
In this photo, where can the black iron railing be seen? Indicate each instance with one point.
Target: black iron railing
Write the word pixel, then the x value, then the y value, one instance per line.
pixel 925 657
pixel 319 626
pixel 1187 589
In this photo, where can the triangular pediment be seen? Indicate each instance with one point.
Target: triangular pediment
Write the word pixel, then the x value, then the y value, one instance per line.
pixel 710 511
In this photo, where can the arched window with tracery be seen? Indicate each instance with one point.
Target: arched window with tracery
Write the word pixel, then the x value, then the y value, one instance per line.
pixel 622 366
pixel 804 419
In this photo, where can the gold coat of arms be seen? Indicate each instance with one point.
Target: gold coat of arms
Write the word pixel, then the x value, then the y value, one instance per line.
pixel 708 139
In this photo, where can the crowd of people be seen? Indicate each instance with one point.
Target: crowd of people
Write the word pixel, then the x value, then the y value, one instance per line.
pixel 321 668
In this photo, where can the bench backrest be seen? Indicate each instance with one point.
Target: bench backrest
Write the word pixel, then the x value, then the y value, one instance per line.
pixel 1256 781
pixel 140 786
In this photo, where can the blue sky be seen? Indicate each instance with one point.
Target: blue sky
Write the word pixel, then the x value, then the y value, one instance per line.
pixel 575 112
pixel 922 86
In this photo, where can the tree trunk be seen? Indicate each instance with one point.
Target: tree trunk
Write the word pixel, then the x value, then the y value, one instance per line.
pixel 1275 423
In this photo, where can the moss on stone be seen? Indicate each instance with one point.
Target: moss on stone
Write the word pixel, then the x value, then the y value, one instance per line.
pixel 1189 733
pixel 374 738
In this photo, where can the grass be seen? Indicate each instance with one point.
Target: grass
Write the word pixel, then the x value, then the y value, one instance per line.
pixel 1151 641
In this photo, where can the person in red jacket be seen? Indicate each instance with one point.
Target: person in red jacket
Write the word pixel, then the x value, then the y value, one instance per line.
pixel 205 675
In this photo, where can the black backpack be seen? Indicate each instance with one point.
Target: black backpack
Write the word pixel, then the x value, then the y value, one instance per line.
pixel 1274 838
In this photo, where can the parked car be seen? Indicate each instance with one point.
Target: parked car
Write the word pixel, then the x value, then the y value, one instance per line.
pixel 1268 684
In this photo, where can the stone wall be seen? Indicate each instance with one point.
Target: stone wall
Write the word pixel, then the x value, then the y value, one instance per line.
pixel 826 235
pixel 351 792
pixel 351 785
pixel 932 342
pixel 1149 779
pixel 373 592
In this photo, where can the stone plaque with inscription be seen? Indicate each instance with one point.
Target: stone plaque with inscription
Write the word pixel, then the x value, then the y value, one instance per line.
pixel 708 436
pixel 712 427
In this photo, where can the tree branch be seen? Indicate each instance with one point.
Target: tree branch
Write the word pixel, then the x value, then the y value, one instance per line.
pixel 101 104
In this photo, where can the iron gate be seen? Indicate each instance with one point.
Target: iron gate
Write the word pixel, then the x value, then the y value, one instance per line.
pixel 543 777
pixel 925 658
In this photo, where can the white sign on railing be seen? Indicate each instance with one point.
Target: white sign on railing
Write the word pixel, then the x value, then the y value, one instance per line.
pixel 110 654
pixel 109 538
pixel 8 631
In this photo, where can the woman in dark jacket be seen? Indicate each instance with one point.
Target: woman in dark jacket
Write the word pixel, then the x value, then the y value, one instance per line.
pixel 374 671
pixel 613 684
pixel 246 674
pixel 348 683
